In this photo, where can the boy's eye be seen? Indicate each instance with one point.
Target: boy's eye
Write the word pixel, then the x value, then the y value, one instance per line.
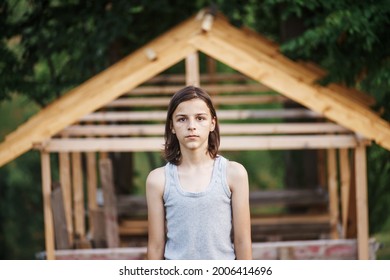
pixel 181 119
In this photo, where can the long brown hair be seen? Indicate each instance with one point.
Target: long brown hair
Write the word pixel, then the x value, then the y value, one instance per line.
pixel 172 148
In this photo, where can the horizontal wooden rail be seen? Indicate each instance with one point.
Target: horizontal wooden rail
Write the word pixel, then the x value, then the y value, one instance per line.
pixel 291 219
pixel 222 115
pixel 135 227
pixel 212 89
pixel 217 100
pixel 228 143
pixel 204 78
pixel 298 197
pixel 226 129
pixel 135 205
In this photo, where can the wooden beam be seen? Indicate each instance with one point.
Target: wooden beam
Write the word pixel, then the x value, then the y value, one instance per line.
pixel 361 202
pixel 230 46
pixel 345 185
pixel 211 88
pixel 110 212
pixel 225 129
pixel 78 197
pixel 92 187
pixel 204 78
pixel 228 143
pixel 305 69
pixel 291 219
pixel 59 219
pixel 123 76
pixel 222 115
pixel 139 227
pixel 47 210
pixel 192 69
pixel 207 22
pixel 333 193
pixel 66 186
pixel 217 100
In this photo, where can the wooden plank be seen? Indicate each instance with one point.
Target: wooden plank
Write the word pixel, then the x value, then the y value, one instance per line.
pixel 228 143
pixel 361 201
pixel 66 186
pixel 135 205
pixel 78 197
pixel 99 239
pixel 265 224
pixel 293 197
pixel 333 192
pixel 222 115
pixel 59 219
pixel 47 210
pixel 310 250
pixel 227 44
pixel 211 68
pixel 217 100
pixel 299 250
pixel 192 69
pixel 133 70
pixel 133 227
pixel 291 219
pixel 225 129
pixel 345 184
pixel 110 212
pixel 204 78
pixel 303 70
pixel 91 187
pixel 351 230
pixel 129 253
pixel 211 88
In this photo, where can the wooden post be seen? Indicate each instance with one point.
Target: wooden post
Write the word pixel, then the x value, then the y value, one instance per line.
pixel 333 193
pixel 361 202
pixel 59 218
pixel 66 186
pixel 110 210
pixel 345 185
pixel 47 210
pixel 78 197
pixel 92 187
pixel 192 70
pixel 211 69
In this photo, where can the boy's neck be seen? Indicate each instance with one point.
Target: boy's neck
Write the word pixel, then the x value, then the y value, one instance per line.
pixel 195 159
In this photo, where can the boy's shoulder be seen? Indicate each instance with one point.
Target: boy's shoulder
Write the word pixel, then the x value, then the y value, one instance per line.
pixel 156 176
pixel 236 170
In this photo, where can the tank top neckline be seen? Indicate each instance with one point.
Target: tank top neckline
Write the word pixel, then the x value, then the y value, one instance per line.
pixel 208 188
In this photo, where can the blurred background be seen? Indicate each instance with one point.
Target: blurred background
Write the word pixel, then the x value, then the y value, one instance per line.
pixel 50 46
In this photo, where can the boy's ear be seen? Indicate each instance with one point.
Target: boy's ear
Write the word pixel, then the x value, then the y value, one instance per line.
pixel 213 122
pixel 172 129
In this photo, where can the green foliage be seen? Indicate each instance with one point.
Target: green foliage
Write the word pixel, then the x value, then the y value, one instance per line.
pixel 63 43
pixel 21 212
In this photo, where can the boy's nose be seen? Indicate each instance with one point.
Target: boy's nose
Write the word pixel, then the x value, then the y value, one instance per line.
pixel 191 125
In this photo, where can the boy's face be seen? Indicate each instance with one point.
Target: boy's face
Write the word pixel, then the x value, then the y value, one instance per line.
pixel 192 122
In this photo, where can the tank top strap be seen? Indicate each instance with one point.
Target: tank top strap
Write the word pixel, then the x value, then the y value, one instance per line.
pixel 169 179
pixel 221 174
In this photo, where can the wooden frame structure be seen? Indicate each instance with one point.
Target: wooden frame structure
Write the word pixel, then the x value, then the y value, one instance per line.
pixel 73 126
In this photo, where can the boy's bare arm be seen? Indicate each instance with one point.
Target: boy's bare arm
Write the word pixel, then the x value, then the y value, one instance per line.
pixel 156 216
pixel 238 182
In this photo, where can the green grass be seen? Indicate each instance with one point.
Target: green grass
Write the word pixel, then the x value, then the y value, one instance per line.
pixel 383 252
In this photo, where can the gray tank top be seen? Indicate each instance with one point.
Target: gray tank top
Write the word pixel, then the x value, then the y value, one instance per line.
pixel 199 224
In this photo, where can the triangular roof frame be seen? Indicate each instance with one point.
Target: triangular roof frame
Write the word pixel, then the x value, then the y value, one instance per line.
pixel 241 49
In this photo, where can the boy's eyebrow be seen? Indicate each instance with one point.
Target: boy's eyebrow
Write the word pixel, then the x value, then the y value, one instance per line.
pixel 185 115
